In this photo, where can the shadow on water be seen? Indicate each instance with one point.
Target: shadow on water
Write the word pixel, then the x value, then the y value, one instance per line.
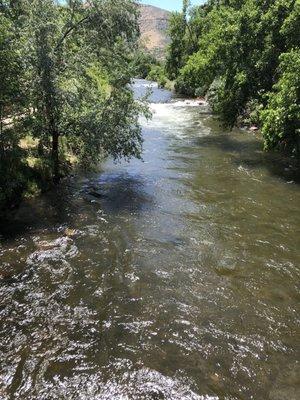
pixel 113 192
pixel 248 153
pixel 171 279
pixel 53 208
pixel 119 192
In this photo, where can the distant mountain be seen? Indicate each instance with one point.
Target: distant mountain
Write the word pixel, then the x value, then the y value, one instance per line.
pixel 154 23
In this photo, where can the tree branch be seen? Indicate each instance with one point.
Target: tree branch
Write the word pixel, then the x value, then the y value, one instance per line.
pixel 68 31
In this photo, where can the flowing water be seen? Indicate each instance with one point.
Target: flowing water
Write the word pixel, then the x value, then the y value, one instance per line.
pixel 174 278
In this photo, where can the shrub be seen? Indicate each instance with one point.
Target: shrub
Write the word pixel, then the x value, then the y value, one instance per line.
pixel 281 118
pixel 157 74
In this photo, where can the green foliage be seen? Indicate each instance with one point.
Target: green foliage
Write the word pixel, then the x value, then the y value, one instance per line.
pixel 185 29
pixel 281 118
pixel 175 57
pixel 12 175
pixel 216 45
pixel 237 59
pixel 157 74
pixel 64 75
pixel 11 97
pixel 12 163
pixel 142 64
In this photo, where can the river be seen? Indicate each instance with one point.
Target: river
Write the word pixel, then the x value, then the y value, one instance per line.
pixel 175 277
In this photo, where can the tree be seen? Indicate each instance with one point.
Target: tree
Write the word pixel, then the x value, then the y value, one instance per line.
pixel 65 85
pixel 10 87
pixel 142 63
pixel 175 56
pixel 11 105
pixel 281 118
pixel 236 61
pixel 65 44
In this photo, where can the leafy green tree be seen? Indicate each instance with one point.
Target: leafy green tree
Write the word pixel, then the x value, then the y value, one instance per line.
pixel 281 118
pixel 142 63
pixel 157 74
pixel 65 44
pixel 10 84
pixel 65 76
pixel 237 58
pixel 175 56
pixel 12 164
pixel 185 29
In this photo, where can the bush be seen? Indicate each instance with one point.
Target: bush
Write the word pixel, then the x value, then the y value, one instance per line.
pixel 240 49
pixel 14 175
pixel 157 74
pixel 142 64
pixel 281 118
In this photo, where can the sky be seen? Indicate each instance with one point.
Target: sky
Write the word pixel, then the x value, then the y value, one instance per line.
pixel 172 5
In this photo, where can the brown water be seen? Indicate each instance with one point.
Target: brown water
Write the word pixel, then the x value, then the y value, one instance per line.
pixel 175 278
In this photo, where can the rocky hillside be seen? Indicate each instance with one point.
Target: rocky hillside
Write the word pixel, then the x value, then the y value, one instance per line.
pixel 153 26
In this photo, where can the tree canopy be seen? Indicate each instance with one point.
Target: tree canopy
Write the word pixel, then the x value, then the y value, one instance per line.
pixel 64 74
pixel 242 54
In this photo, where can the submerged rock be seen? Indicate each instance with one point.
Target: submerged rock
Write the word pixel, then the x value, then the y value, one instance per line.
pixel 97 194
pixel 6 271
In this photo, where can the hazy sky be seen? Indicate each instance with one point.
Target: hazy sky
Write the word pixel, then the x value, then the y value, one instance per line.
pixel 169 4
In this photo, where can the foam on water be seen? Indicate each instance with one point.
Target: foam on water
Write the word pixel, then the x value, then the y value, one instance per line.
pixel 146 85
pixel 171 278
pixel 178 118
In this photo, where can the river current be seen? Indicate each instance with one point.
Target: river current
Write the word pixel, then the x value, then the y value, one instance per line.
pixel 171 278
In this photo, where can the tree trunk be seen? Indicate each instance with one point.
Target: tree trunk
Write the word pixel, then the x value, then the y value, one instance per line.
pixel 1 120
pixel 55 156
pixel 1 129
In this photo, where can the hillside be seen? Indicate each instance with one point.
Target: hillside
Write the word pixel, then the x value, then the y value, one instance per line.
pixel 153 26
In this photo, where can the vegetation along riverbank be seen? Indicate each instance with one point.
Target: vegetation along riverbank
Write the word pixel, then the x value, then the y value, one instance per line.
pixel 66 67
pixel 244 56
pixel 149 246
pixel 64 95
